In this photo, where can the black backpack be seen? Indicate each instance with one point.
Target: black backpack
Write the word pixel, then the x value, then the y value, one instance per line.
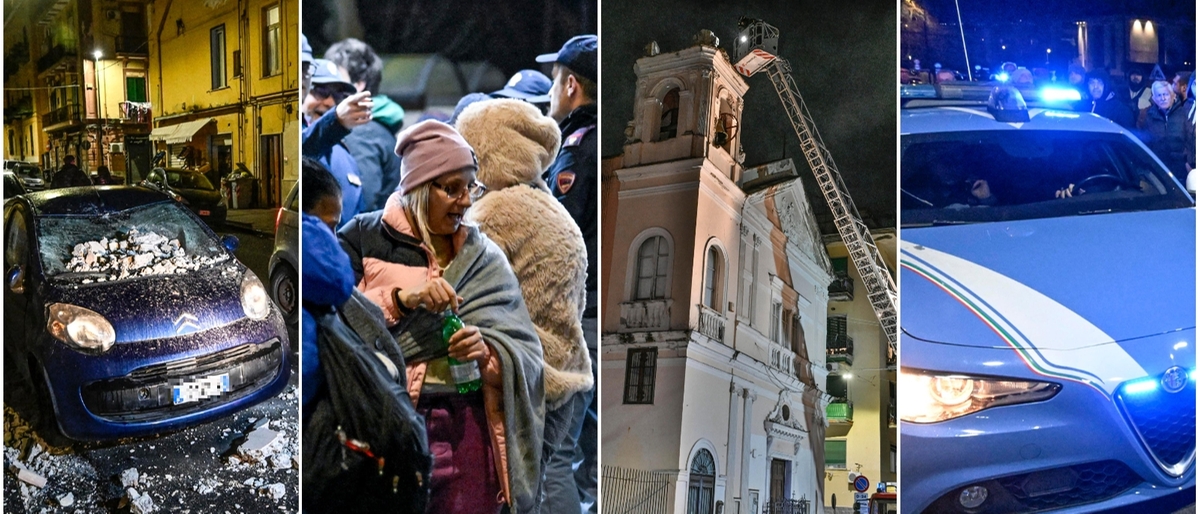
pixel 364 447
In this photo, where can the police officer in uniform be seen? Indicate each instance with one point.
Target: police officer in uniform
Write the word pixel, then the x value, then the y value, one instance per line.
pixel 322 135
pixel 573 178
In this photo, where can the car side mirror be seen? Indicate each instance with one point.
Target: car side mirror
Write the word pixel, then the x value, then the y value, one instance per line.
pixel 230 243
pixel 16 280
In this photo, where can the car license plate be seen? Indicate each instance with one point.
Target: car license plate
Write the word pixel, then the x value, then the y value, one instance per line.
pixel 205 213
pixel 200 388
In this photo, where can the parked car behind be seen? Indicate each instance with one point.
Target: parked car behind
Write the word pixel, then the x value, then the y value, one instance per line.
pixel 284 260
pixel 193 190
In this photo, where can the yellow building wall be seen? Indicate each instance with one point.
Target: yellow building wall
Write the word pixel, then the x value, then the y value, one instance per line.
pixel 871 439
pixel 180 75
pixel 28 141
pixel 111 82
pixel 251 105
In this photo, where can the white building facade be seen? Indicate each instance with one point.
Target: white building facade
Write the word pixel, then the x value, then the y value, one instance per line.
pixel 715 304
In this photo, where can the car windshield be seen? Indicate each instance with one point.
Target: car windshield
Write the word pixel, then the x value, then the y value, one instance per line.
pixel 157 239
pixel 978 176
pixel 188 180
pixel 29 171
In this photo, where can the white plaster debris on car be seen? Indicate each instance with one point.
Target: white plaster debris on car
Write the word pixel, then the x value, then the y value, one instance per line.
pixel 133 254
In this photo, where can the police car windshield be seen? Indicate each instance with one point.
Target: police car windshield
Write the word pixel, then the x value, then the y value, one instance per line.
pixel 979 176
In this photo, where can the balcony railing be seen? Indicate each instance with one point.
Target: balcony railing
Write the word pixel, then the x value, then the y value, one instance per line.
pixel 782 359
pixel 135 112
pixel 839 348
pixel 64 114
pixel 840 412
pixel 56 54
pixel 18 108
pixel 786 506
pixel 841 289
pixel 646 315
pixel 712 323
pixel 136 45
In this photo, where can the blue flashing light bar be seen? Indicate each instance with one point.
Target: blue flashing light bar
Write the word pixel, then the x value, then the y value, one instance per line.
pixel 1002 77
pixel 1056 94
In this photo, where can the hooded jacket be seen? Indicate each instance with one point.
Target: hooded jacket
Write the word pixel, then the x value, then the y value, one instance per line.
pixel 515 144
pixel 1109 104
pixel 328 281
pixel 373 147
pixel 1137 97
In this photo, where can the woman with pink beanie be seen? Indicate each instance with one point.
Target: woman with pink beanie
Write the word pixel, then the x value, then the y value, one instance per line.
pixel 417 260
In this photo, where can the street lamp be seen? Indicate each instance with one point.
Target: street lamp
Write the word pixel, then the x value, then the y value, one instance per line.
pixel 96 69
pixel 1047 56
pixel 99 101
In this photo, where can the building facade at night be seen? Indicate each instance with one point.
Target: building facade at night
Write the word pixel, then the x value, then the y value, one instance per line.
pixel 716 293
pixel 1092 37
pixel 75 82
pixel 861 436
pixel 209 85
pixel 224 84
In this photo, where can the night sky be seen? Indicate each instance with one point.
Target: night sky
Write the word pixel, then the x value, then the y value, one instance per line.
pixel 507 33
pixel 843 56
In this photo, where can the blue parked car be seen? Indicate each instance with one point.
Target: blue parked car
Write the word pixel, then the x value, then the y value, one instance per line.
pixel 1048 300
pixel 128 316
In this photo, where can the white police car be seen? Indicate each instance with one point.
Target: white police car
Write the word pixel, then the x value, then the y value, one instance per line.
pixel 1047 310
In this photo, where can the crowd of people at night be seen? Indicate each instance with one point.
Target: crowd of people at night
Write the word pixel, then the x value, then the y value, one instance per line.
pixel 1159 108
pixel 470 239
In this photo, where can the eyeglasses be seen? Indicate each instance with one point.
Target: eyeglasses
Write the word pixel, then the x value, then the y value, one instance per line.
pixel 321 92
pixel 474 189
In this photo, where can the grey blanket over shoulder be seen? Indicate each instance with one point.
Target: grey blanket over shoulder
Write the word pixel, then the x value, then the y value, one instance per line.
pixel 481 275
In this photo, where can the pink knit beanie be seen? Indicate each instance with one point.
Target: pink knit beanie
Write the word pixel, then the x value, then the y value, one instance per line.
pixel 429 150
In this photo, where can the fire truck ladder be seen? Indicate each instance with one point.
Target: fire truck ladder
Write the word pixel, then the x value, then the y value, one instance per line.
pixel 757 45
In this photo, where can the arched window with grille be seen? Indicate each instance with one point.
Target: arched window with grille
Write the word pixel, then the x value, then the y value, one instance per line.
pixel 653 265
pixel 701 483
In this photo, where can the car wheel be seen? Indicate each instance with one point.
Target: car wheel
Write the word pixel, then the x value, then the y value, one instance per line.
pixel 43 419
pixel 285 292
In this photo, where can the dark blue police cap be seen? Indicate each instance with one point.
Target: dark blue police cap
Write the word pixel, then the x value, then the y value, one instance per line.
pixel 578 54
pixel 529 85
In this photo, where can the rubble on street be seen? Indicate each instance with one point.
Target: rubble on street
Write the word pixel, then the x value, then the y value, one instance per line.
pixel 252 468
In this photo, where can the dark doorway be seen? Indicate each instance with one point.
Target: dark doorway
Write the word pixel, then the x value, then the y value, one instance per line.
pixel 137 158
pixel 270 169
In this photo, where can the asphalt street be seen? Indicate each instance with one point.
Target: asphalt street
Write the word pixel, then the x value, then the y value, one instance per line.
pixel 199 469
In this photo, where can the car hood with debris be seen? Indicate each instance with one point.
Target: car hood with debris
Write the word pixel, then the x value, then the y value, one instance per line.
pixel 161 306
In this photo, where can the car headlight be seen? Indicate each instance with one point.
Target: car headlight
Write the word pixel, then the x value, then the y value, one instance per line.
pixel 80 327
pixel 932 397
pixel 254 297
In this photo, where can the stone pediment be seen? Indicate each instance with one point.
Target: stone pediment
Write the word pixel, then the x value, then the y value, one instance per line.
pixel 784 416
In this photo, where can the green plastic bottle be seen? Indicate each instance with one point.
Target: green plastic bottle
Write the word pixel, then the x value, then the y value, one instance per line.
pixel 465 374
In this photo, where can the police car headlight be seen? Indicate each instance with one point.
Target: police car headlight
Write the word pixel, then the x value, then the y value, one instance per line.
pixel 80 327
pixel 931 397
pixel 255 303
